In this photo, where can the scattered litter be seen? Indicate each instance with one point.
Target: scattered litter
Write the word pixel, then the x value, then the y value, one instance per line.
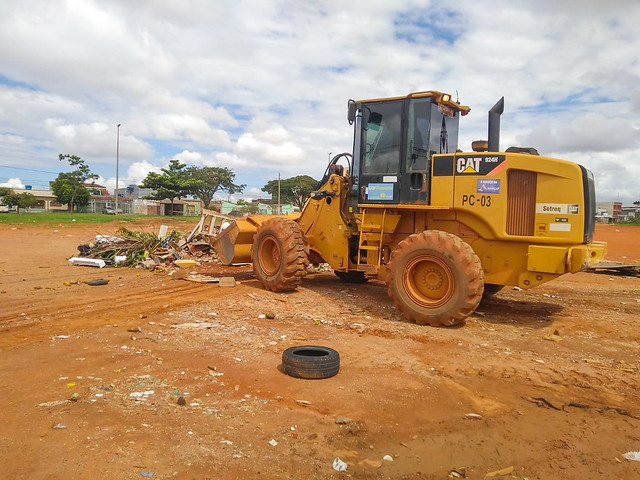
pixel 554 337
pixel 59 426
pixel 339 465
pixel 54 403
pixel 458 473
pixel 517 289
pixel 304 403
pixel 342 420
pixel 227 282
pixel 472 416
pixel 270 315
pixel 185 263
pixel 201 279
pixel 635 456
pixel 228 442
pixel 147 474
pixel 87 262
pixel 60 337
pixel 387 458
pixel 144 394
pixel 499 473
pixel 204 325
pixel 273 443
pixel 182 401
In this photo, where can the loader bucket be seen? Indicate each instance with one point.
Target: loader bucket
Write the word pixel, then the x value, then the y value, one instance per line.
pixel 234 243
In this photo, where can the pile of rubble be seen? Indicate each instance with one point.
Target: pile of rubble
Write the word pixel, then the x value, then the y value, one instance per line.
pixel 148 250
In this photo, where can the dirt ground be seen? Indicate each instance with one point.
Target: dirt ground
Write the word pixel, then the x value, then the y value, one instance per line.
pixel 538 384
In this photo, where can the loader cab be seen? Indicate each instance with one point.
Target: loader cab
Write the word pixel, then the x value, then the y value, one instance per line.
pixel 394 141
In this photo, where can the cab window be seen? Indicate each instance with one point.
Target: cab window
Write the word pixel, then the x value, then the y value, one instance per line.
pixel 383 138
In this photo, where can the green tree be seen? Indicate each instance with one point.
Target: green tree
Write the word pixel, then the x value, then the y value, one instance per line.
pixel 21 200
pixel 295 190
pixel 249 207
pixel 206 181
pixel 173 183
pixel 68 187
pixel 4 191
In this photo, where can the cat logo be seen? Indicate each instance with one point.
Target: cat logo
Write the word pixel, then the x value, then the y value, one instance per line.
pixel 468 165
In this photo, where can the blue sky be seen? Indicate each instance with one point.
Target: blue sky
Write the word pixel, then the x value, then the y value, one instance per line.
pixel 261 86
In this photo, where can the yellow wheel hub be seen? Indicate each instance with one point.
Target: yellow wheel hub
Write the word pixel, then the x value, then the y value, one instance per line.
pixel 428 281
pixel 269 256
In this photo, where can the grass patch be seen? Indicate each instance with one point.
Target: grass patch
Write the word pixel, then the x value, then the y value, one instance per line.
pixel 65 218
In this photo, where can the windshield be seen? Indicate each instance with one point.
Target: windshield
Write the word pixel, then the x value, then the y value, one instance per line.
pixel 383 138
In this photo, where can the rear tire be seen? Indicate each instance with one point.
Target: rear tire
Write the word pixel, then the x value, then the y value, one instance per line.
pixel 435 278
pixel 280 255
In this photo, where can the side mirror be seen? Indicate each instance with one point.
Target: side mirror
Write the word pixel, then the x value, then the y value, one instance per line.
pixel 351 111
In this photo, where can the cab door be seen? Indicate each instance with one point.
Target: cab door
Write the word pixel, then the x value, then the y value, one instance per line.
pixel 430 130
pixel 381 151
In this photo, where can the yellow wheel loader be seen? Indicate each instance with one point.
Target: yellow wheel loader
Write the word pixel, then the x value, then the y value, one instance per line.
pixel 438 225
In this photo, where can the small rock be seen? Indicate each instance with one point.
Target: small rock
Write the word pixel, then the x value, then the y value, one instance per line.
pixel 342 420
pixel 182 401
pixel 387 458
pixel 270 315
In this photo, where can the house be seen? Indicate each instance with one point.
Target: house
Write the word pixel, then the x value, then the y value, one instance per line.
pixel 609 212
pixel 46 200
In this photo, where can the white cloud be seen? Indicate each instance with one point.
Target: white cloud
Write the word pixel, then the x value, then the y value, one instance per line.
pixel 261 87
pixel 13 183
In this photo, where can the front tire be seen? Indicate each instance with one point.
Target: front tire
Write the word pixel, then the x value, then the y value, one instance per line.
pixel 280 255
pixel 435 278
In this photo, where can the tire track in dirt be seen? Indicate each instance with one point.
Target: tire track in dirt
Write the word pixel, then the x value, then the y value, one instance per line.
pixel 87 310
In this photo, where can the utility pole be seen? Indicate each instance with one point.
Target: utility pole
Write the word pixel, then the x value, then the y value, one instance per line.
pixel 279 207
pixel 117 165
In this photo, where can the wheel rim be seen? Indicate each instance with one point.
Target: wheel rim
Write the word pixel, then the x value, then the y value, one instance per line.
pixel 428 281
pixel 269 256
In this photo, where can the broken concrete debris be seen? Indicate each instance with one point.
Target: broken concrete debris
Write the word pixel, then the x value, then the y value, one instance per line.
pixel 168 252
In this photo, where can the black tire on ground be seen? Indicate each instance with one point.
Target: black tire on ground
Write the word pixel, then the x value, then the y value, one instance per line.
pixel 280 255
pixel 435 278
pixel 97 281
pixel 490 289
pixel 352 277
pixel 310 361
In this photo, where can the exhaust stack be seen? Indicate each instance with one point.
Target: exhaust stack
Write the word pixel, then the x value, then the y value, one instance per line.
pixel 494 125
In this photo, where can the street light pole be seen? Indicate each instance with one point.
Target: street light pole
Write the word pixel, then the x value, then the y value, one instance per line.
pixel 117 165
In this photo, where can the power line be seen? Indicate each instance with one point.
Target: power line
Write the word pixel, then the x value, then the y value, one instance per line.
pixel 29 169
